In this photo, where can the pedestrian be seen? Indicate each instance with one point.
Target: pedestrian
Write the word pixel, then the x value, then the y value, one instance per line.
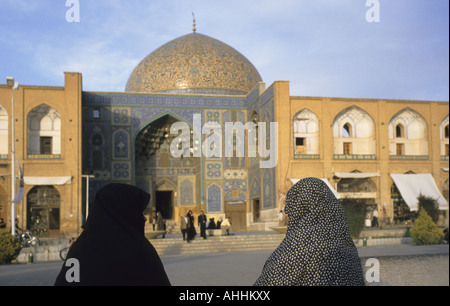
pixel 219 222
pixel 202 224
pixel 191 232
pixel 184 224
pixel 161 223
pixel 375 217
pixel 226 224
pixel 153 221
pixel 318 248
pixel 2 224
pixel 113 250
pixel 211 224
pixel 16 223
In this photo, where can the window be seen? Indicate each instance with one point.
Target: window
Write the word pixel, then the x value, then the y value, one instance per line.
pixel 347 148
pixel 300 145
pixel 399 131
pixel 400 149
pixel 347 130
pixel 46 145
pixel 44 132
pixel 446 131
pixel 446 149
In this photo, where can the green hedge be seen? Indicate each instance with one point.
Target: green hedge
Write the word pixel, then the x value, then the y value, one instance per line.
pixel 425 230
pixel 9 247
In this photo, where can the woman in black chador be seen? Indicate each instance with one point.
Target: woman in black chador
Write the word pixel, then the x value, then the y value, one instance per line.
pixel 318 249
pixel 112 250
pixel 192 232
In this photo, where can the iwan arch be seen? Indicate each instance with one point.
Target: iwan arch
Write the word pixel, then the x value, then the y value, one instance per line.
pixel 64 134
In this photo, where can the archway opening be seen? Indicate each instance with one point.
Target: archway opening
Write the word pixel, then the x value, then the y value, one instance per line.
pixel 44 211
pixel 164 204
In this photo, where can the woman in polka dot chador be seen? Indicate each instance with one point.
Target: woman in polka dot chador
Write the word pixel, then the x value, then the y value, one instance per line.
pixel 318 249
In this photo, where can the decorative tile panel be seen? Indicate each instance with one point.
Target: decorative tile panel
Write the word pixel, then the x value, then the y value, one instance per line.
pixel 214 198
pixel 121 170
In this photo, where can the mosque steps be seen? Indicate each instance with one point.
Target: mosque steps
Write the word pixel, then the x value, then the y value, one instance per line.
pixel 231 243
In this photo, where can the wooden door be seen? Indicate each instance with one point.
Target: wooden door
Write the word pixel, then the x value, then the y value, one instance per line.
pixel 237 213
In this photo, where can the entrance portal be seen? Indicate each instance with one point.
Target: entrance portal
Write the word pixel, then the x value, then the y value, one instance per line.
pixel 237 213
pixel 256 210
pixel 164 203
pixel 43 211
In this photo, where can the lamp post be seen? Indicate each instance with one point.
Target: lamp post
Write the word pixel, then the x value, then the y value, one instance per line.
pixel 87 176
pixel 14 86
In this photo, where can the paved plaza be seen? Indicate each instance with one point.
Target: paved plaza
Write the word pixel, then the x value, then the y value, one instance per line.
pixel 426 265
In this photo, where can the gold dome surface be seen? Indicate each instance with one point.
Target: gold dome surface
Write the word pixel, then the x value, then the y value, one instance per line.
pixel 194 63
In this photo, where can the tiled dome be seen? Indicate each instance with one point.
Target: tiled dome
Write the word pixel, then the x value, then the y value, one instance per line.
pixel 194 63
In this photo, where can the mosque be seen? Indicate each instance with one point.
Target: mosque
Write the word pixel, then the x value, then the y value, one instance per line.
pixel 69 143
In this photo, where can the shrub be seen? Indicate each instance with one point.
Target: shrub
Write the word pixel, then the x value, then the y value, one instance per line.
pixel 356 211
pixel 425 230
pixel 430 205
pixel 9 247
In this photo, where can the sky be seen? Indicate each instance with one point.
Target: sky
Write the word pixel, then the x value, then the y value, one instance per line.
pixel 326 48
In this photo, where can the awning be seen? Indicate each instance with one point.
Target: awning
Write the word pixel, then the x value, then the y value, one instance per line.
pixel 336 194
pixel 356 174
pixel 411 186
pixel 54 180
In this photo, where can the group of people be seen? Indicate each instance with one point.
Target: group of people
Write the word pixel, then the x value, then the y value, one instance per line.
pixel 3 225
pixel 187 225
pixel 113 250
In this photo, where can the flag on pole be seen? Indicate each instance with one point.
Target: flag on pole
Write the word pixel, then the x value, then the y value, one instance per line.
pixel 19 194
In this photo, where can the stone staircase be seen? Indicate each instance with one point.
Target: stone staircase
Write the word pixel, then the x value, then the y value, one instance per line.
pixel 231 243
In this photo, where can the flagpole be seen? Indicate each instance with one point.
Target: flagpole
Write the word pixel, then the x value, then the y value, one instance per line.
pixel 14 86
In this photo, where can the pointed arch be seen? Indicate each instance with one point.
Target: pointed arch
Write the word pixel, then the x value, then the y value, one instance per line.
pixel 444 130
pixel 306 133
pixel 414 124
pixel 44 131
pixel 214 198
pixel 408 134
pixel 354 134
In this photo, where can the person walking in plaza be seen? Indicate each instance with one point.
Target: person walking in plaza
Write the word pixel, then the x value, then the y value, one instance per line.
pixel 191 232
pixel 202 224
pixel 184 224
pixel 375 217
pixel 318 249
pixel 161 223
pixel 113 250
pixel 153 221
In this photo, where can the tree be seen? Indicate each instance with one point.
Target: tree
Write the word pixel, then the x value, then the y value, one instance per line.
pixel 430 205
pixel 425 230
pixel 356 211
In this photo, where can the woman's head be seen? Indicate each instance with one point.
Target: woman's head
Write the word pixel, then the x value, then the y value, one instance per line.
pixel 120 202
pixel 306 196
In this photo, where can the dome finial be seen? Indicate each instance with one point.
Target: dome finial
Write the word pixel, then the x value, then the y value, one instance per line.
pixel 193 16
